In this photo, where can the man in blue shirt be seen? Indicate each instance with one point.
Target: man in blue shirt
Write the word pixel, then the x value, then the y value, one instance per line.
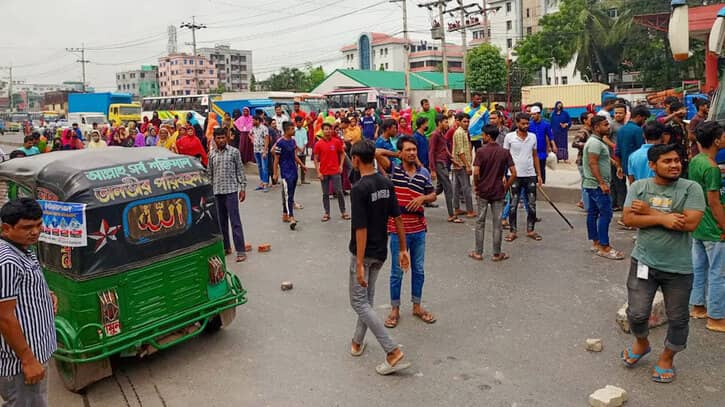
pixel 544 137
pixel 630 137
pixel 638 165
pixel 390 129
pixel 479 117
pixel 421 126
pixel 29 147
pixel 369 125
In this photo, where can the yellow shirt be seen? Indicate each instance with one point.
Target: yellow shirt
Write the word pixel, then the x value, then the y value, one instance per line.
pixel 461 145
pixel 352 134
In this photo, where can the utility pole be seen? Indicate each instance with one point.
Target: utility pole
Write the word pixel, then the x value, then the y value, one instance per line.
pixel 10 86
pixel 406 47
pixel 441 5
pixel 83 62
pixel 465 49
pixel 193 26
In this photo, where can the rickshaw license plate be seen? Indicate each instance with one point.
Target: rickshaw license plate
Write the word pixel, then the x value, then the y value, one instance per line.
pixel 112 328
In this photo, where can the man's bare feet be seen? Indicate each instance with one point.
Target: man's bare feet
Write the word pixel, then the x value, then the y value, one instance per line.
pixel 717 325
pixel 355 348
pixel 394 357
pixel 698 312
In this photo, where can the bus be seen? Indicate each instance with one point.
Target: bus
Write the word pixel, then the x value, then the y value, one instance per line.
pixel 317 102
pixel 362 98
pixel 169 107
pixel 309 102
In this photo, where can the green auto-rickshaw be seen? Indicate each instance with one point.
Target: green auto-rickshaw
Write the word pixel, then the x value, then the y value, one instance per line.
pixel 132 248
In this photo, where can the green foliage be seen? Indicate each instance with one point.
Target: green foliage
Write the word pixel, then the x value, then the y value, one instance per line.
pixel 294 79
pixel 486 69
pixel 315 76
pixel 253 83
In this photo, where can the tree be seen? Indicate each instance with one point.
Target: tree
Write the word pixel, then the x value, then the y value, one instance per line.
pixel 486 69
pixel 221 88
pixel 253 83
pixel 294 79
pixel 315 76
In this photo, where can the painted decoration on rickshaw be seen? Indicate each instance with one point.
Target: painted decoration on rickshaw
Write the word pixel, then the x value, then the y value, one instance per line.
pixel 45 194
pixel 156 218
pixel 64 223
pixel 204 210
pixel 103 235
pixel 110 312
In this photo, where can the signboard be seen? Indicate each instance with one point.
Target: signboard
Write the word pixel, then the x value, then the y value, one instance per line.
pixel 64 223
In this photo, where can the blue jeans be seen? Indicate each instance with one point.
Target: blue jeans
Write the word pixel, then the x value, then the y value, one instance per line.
pixel 507 206
pixel 599 216
pixel 585 197
pixel 416 247
pixel 262 166
pixel 708 284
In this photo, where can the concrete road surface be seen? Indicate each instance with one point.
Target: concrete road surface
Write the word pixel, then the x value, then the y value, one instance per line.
pixel 508 334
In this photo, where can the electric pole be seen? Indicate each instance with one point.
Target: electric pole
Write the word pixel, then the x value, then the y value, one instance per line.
pixel 10 86
pixel 441 5
pixel 406 47
pixel 465 49
pixel 193 26
pixel 83 61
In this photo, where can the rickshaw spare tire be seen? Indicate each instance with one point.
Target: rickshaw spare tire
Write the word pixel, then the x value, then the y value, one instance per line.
pixel 78 376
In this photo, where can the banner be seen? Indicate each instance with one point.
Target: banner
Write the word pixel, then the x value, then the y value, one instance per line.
pixel 64 223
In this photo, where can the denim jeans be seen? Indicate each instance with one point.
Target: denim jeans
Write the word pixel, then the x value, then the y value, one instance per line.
pixel 496 206
pixel 527 186
pixel 676 290
pixel 228 207
pixel 262 167
pixel 362 299
pixel 618 189
pixel 416 246
pixel 708 284
pixel 585 196
pixel 599 216
pixel 15 392
pixel 507 205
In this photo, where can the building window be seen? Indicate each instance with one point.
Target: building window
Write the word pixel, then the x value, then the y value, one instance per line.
pixel 509 43
pixel 613 13
pixel 509 25
pixel 564 80
pixel 211 72
pixel 528 13
pixel 188 82
pixel 528 30
pixel 386 65
pixel 508 7
pixel 188 71
pixel 142 75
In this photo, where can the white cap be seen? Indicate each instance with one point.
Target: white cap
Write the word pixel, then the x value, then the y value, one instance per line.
pixel 535 109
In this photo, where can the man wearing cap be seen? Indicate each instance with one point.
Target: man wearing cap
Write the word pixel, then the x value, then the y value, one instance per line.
pixel 544 137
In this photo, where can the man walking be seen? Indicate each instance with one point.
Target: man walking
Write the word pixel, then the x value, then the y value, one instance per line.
pixel 373 201
pixel 544 138
pixel 27 308
pixel 285 162
pixel 329 158
pixel 478 117
pixel 300 134
pixel 522 145
pixel 666 209
pixel 440 162
pixel 597 182
pixel 260 135
pixel 413 188
pixel 229 183
pixel 490 166
pixel 708 245
pixel 462 167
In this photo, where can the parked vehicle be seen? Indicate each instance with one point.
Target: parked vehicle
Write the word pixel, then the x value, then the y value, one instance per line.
pixel 170 107
pixel 575 97
pixel 85 120
pixel 116 107
pixel 362 98
pixel 132 248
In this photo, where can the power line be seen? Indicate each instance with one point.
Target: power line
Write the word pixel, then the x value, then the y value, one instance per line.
pixel 83 62
pixel 193 26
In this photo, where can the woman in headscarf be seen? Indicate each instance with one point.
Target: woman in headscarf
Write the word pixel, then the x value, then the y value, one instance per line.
pixel 96 141
pixel 151 137
pixel 211 124
pixel 560 124
pixel 404 126
pixel 155 119
pixel 232 130
pixel 57 145
pixel 71 141
pixel 189 144
pixel 165 140
pixel 243 123
pixel 144 124
pixel 139 140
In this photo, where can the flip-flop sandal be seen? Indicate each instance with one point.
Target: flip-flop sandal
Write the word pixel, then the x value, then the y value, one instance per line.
pixel 500 257
pixel 635 356
pixel 475 256
pixel 241 258
pixel 359 352
pixel 385 368
pixel 594 249
pixel 611 254
pixel 657 377
pixel 471 215
pixel 392 322
pixel 510 238
pixel 325 218
pixel 534 236
pixel 293 225
pixel 430 318
pixel 345 216
pixel 455 219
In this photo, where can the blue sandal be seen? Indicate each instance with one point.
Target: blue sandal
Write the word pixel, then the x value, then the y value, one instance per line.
pixel 634 356
pixel 660 371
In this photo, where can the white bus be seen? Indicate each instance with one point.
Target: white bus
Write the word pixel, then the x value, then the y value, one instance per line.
pixel 361 98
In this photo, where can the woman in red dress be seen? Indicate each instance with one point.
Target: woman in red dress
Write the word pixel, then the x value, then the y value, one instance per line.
pixel 189 144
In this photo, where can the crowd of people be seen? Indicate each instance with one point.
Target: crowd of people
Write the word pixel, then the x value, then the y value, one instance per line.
pixel 662 174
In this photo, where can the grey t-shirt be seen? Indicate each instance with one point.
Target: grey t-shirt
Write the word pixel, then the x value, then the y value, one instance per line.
pixel 595 145
pixel 658 247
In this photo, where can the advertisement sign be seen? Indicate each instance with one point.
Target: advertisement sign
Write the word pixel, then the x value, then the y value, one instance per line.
pixel 64 223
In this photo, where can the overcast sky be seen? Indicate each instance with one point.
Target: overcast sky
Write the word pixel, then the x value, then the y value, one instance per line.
pixel 122 35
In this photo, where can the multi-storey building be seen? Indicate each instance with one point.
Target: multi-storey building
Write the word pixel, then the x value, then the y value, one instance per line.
pixel 234 66
pixel 177 76
pixel 142 82
pixel 378 51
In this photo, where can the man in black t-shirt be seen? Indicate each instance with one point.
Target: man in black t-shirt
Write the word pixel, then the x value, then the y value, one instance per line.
pixel 373 201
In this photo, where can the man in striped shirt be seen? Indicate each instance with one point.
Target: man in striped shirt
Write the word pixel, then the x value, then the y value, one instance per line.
pixel 27 308
pixel 413 188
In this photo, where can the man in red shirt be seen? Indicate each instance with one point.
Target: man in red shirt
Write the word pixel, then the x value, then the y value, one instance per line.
pixel 296 111
pixel 329 158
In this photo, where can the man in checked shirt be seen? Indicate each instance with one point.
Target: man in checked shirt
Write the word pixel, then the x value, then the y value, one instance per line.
pixel 229 183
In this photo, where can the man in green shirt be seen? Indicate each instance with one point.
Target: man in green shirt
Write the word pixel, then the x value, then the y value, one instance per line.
pixel 666 209
pixel 708 244
pixel 597 169
pixel 429 113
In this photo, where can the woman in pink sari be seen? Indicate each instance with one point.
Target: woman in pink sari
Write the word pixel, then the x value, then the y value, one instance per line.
pixel 243 123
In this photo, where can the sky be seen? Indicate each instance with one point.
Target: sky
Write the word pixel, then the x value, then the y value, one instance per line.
pixel 122 35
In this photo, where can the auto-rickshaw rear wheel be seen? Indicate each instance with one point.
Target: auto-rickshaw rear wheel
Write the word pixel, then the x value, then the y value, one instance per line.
pixel 77 376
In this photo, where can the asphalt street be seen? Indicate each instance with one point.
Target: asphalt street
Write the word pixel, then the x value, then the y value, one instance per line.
pixel 508 334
